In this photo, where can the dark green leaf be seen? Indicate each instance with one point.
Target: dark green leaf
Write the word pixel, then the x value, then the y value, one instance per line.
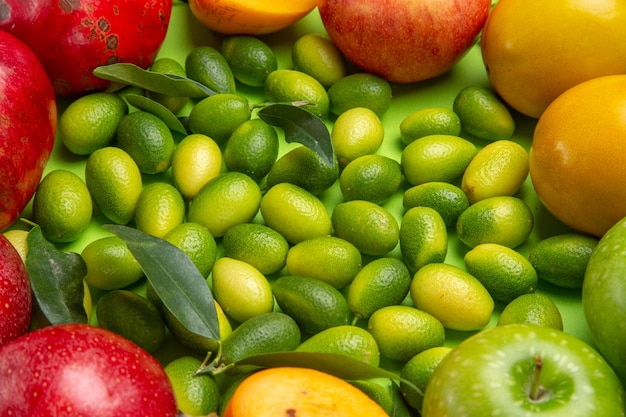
pixel 147 104
pixel 300 126
pixel 175 279
pixel 400 406
pixel 56 278
pixel 341 366
pixel 170 84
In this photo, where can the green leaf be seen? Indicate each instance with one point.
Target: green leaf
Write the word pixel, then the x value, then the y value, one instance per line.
pixel 170 84
pixel 341 366
pixel 56 279
pixel 148 105
pixel 175 279
pixel 300 126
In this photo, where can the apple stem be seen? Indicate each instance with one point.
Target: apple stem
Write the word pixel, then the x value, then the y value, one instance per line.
pixel 536 390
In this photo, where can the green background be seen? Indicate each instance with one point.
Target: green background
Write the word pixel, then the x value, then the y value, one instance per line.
pixel 185 33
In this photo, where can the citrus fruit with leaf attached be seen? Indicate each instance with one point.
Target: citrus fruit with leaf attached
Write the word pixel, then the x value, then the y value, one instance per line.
pixel 527 46
pixel 196 395
pixel 577 156
pixel 306 392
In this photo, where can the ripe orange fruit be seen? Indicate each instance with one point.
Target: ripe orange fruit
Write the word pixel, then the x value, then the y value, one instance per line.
pixel 577 160
pixel 238 17
pixel 535 50
pixel 301 392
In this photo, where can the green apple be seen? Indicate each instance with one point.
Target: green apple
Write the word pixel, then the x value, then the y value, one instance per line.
pixel 604 296
pixel 523 370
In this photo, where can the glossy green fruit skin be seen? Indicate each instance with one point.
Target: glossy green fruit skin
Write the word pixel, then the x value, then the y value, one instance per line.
pixel 313 304
pixel 575 379
pixel 265 333
pixel 603 295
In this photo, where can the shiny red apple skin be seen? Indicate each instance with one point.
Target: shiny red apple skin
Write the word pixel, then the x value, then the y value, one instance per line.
pixel 81 370
pixel 404 41
pixel 15 294
pixel 28 118
pixel 73 37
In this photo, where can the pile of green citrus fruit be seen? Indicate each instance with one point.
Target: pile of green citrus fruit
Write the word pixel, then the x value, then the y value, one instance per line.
pixel 301 255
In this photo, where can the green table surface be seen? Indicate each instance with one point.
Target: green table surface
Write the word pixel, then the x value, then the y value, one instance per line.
pixel 185 33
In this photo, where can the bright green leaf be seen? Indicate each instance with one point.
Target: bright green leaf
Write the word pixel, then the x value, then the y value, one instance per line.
pixel 175 279
pixel 56 278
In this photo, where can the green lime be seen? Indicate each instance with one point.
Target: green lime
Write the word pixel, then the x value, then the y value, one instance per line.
pixel 429 121
pixel 285 85
pixel 110 264
pixel 532 308
pixel 382 282
pixel 562 259
pixel 368 226
pixel 360 90
pixel 114 181
pixel 250 59
pixel 133 317
pixel 160 209
pixel 266 333
pixel 230 109
pixel 257 244
pixel 196 395
pixel 319 57
pixel 62 206
pixel 241 289
pixel 452 295
pixel 505 273
pixel 372 178
pixel 500 168
pixel 196 160
pixel 305 168
pixel 483 114
pixel 208 66
pixel 166 65
pixel 356 132
pixel 423 237
pixel 229 199
pixel 505 220
pixel 403 331
pixel 348 340
pixel 197 243
pixel 295 213
pixel 447 199
pixel 314 304
pixel 441 158
pixel 252 149
pixel 418 371
pixel 90 122
pixel 327 258
pixel 377 392
pixel 148 140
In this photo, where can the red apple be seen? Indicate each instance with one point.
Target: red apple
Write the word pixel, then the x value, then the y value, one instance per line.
pixel 28 117
pixel 81 370
pixel 15 295
pixel 404 41
pixel 72 38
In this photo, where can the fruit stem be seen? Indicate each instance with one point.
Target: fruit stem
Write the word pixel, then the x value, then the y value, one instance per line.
pixel 536 389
